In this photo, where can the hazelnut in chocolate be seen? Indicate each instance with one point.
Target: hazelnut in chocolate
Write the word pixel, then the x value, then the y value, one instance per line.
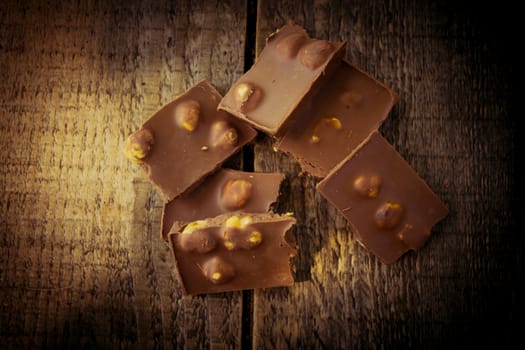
pixel 186 140
pixel 290 67
pixel 391 208
pixel 233 252
pixel 222 192
pixel 337 119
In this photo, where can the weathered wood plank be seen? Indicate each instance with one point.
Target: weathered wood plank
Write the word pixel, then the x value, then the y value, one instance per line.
pixel 452 124
pixel 80 254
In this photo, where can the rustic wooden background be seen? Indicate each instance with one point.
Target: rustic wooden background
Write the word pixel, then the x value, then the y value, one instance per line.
pixel 81 262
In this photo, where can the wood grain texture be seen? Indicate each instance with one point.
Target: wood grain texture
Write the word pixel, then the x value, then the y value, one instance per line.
pixel 453 125
pixel 81 261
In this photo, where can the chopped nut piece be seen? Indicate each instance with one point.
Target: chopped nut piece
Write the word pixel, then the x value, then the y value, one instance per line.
pixel 332 122
pixel 233 222
pixel 192 226
pixel 245 221
pixel 255 237
pixel 241 238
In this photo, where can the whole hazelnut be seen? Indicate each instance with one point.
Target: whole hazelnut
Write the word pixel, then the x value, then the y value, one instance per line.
pixel 199 240
pixel 138 145
pixel 315 53
pixel 217 270
pixel 289 45
pixel 367 186
pixel 388 215
pixel 236 193
pixel 246 96
pixel 223 135
pixel 187 115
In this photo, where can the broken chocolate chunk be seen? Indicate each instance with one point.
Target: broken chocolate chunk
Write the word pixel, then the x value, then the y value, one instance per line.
pixel 252 253
pixel 391 208
pixel 291 67
pixel 186 140
pixel 336 120
pixel 222 192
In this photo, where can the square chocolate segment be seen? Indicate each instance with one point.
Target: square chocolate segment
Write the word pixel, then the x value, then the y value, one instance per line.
pixel 346 110
pixel 389 205
pixel 291 66
pixel 234 252
pixel 186 140
pixel 224 191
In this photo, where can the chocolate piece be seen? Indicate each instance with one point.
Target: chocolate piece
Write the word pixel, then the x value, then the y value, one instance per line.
pixel 345 111
pixel 389 205
pixel 186 140
pixel 233 252
pixel 290 67
pixel 222 192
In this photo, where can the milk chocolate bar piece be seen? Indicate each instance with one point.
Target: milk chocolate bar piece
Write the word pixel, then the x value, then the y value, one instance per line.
pixel 186 140
pixel 346 110
pixel 222 192
pixel 290 67
pixel 234 252
pixel 391 208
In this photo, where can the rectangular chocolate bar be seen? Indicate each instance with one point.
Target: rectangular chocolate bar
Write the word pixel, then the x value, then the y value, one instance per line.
pixel 234 252
pixel 291 66
pixel 391 208
pixel 186 140
pixel 346 110
pixel 222 192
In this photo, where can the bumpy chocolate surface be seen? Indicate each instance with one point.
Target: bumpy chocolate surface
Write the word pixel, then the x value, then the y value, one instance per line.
pixel 186 140
pixel 222 192
pixel 337 119
pixel 389 205
pixel 291 66
pixel 233 252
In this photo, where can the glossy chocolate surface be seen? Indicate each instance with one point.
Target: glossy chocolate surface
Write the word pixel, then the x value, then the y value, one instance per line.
pixel 234 252
pixel 290 67
pixel 337 119
pixel 391 208
pixel 186 140
pixel 222 192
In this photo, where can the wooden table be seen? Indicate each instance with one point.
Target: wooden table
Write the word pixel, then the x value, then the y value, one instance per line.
pixel 81 262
